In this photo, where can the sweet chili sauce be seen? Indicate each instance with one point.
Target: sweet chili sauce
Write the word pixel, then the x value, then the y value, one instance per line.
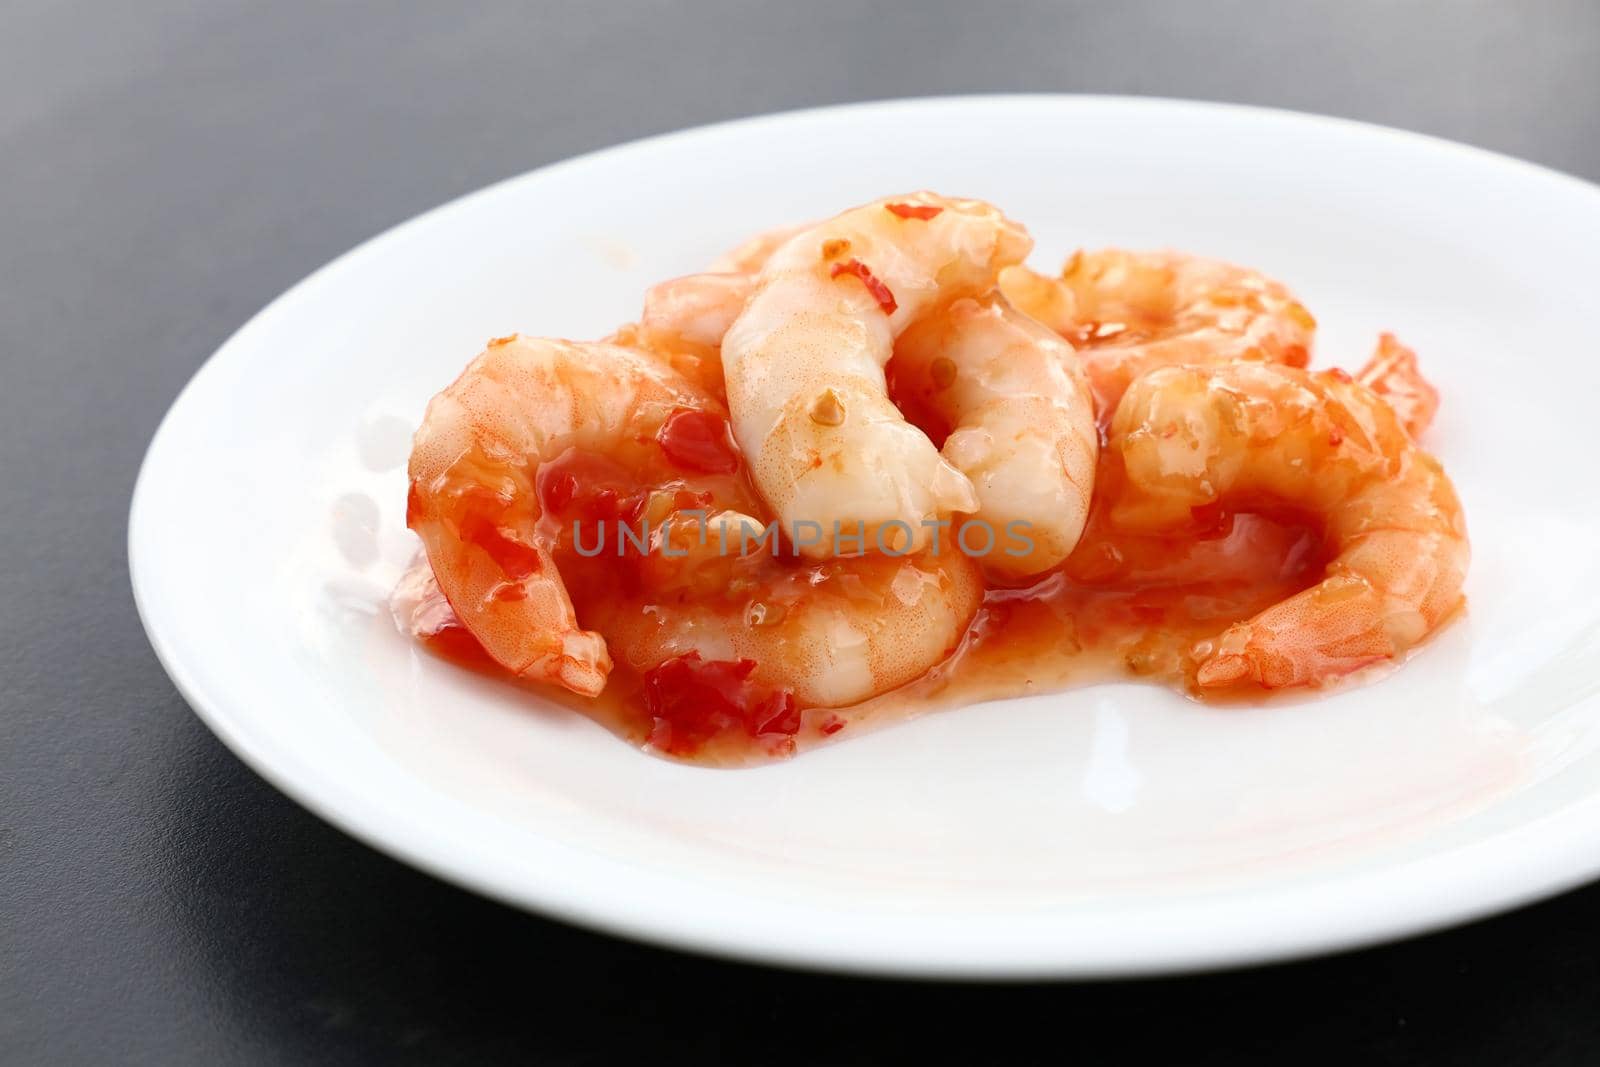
pixel 1120 607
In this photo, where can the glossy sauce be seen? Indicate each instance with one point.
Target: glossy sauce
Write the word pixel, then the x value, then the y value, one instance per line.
pixel 1121 607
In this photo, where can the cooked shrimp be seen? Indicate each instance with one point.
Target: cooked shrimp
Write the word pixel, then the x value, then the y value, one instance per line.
pixel 1392 373
pixel 474 503
pixel 685 318
pixel 750 255
pixel 1254 436
pixel 1020 406
pixel 804 366
pixel 1129 312
pixel 697 309
pixel 1011 404
pixel 833 632
pixel 520 466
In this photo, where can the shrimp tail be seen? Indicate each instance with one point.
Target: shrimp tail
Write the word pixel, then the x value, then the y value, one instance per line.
pixel 1393 374
pixel 1326 446
pixel 584 663
pixel 1323 633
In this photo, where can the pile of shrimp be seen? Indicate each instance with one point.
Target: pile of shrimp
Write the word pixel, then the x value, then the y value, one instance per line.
pixel 790 453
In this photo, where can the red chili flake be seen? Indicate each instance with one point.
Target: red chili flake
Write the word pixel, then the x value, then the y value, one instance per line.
pixel 557 490
pixel 691 700
pixel 831 725
pixel 777 714
pixel 1335 436
pixel 587 486
pixel 504 545
pixel 879 291
pixel 606 504
pixel 1339 374
pixel 914 211
pixel 687 500
pixel 699 441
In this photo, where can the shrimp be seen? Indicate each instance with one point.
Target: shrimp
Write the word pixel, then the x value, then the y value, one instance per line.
pixel 1392 373
pixel 751 254
pixel 685 318
pixel 832 632
pixel 1129 312
pixel 698 309
pixel 695 310
pixel 1255 436
pixel 1012 406
pixel 520 465
pixel 474 502
pixel 1023 416
pixel 804 367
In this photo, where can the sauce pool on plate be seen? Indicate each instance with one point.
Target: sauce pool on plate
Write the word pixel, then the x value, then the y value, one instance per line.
pixel 1121 607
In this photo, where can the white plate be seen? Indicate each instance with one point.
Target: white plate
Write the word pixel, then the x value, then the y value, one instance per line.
pixel 1113 830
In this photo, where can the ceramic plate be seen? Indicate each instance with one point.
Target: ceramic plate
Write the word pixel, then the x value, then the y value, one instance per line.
pixel 1117 829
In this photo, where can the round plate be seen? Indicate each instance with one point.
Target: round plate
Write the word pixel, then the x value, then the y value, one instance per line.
pixel 1118 829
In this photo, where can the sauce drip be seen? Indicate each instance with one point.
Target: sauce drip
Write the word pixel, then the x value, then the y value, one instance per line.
pixel 690 701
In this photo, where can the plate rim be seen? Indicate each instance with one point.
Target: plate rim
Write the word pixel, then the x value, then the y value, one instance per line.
pixel 1547 859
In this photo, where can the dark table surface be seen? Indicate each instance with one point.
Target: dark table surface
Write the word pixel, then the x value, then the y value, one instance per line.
pixel 168 168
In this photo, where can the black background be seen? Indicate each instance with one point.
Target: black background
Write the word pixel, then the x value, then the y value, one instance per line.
pixel 166 170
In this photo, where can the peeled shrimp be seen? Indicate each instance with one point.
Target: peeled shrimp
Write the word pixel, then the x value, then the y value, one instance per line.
pixel 804 367
pixel 473 500
pixel 1011 390
pixel 1254 436
pixel 698 309
pixel 1013 407
pixel 1129 312
pixel 1392 373
pixel 685 318
pixel 833 633
pixel 695 310
pixel 751 254
pixel 539 435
